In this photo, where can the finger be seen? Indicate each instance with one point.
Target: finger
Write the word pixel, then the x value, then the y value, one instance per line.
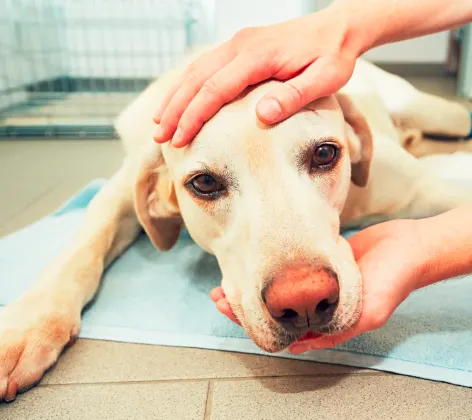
pixel 322 78
pixel 171 92
pixel 223 306
pixel 217 293
pixel 196 75
pixel 221 88
pixel 167 98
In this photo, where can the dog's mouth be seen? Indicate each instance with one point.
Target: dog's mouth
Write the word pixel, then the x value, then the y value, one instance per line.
pixel 278 342
pixel 309 335
pixel 281 340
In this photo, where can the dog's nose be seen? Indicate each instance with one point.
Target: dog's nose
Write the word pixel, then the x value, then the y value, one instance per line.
pixel 302 297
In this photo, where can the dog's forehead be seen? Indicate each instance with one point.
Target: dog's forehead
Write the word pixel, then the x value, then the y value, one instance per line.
pixel 236 133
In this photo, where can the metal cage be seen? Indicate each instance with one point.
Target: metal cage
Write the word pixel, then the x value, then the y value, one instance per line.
pixel 67 67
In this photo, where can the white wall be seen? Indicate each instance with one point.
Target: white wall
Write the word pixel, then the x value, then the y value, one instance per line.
pixel 427 49
pixel 231 15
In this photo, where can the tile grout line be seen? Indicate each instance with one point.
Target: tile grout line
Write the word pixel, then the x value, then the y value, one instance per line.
pixel 30 203
pixel 223 379
pixel 209 401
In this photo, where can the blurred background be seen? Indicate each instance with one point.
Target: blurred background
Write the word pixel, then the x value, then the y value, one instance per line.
pixel 67 67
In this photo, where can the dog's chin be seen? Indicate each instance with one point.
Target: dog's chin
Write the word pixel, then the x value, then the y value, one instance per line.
pixel 274 340
pixel 277 339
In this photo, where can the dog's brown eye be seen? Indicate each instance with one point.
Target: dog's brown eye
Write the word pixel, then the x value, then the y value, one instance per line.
pixel 206 185
pixel 324 155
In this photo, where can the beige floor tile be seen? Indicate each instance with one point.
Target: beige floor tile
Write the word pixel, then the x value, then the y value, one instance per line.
pixel 359 397
pixel 37 176
pixel 91 361
pixel 169 401
pixel 44 204
pixel 19 195
pixel 60 159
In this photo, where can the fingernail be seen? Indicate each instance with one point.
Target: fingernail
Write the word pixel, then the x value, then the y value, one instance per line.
pixel 178 137
pixel 270 110
pixel 157 136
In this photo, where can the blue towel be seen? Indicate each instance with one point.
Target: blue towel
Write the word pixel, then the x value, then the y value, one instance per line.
pixel 163 298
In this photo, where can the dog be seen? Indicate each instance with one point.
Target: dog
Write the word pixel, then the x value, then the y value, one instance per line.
pixel 267 201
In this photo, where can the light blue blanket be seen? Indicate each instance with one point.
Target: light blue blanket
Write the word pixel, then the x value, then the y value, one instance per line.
pixel 163 298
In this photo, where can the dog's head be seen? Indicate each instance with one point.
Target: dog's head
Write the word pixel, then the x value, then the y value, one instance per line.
pixel 266 201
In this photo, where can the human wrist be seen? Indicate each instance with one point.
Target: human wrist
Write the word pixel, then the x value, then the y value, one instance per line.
pixel 446 242
pixel 426 259
pixel 362 29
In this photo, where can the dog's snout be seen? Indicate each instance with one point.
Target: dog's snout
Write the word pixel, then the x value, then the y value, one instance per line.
pixel 302 297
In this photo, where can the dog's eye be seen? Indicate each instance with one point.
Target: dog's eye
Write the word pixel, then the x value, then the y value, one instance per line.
pixel 324 156
pixel 206 185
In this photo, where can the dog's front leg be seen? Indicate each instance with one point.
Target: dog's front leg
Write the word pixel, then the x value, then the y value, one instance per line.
pixel 35 328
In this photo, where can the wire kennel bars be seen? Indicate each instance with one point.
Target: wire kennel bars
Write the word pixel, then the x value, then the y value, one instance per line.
pixel 68 67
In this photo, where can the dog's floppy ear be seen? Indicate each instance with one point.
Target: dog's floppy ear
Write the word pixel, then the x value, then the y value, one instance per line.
pixel 155 200
pixel 359 138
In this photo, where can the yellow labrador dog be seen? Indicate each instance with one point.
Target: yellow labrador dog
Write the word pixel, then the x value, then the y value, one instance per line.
pixel 267 201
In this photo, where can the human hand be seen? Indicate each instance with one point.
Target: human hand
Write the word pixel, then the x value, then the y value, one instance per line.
pixel 315 56
pixel 392 260
pixel 218 296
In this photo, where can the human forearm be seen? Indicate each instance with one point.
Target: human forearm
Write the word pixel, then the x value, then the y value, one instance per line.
pixel 447 240
pixel 379 22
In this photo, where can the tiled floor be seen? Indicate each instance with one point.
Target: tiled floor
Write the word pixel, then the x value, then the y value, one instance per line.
pixel 106 380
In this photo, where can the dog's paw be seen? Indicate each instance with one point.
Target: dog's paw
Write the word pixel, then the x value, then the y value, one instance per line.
pixel 32 335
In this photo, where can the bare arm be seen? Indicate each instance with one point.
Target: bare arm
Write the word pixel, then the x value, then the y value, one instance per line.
pixel 384 21
pixel 447 240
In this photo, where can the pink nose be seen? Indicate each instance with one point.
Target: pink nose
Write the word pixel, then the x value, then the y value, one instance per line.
pixel 302 297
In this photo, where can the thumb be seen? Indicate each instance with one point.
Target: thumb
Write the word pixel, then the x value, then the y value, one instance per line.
pixel 322 78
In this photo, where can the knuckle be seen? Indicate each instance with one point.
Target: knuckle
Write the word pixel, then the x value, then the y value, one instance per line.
pixel 191 77
pixel 269 56
pixel 192 74
pixel 244 34
pixel 293 98
pixel 295 95
pixel 271 62
pixel 212 88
